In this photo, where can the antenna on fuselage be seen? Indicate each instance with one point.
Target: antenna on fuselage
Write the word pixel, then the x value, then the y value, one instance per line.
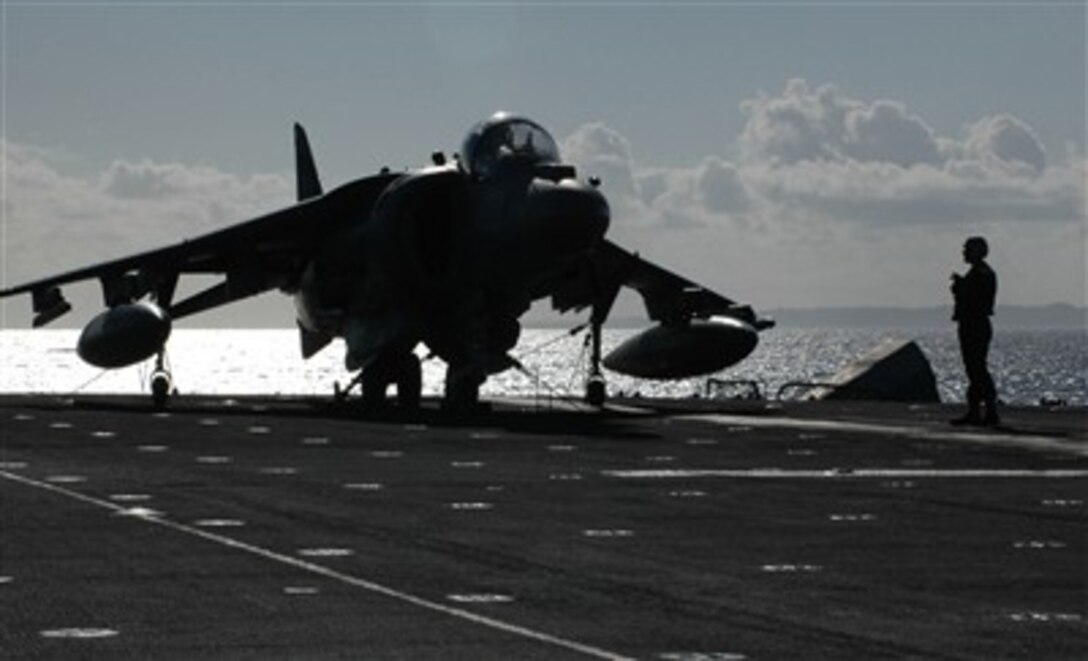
pixel 308 183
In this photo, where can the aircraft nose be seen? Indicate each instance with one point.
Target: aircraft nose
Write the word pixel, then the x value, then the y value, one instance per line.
pixel 567 214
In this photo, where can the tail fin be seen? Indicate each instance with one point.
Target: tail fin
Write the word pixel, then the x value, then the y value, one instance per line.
pixel 309 185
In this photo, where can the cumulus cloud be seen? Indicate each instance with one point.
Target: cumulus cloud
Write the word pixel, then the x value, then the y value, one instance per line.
pixel 1007 140
pixel 805 124
pixel 56 220
pixel 813 154
pixel 825 187
pixel 605 153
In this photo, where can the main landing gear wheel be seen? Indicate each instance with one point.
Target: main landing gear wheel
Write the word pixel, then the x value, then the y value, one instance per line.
pixel 409 382
pixel 462 389
pixel 595 390
pixel 404 370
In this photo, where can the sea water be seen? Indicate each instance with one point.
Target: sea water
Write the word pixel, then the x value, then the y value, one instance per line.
pixel 1028 365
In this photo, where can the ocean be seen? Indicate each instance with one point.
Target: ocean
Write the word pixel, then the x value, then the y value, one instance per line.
pixel 1028 365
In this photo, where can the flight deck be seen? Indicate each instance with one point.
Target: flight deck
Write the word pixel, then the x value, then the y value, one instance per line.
pixel 269 528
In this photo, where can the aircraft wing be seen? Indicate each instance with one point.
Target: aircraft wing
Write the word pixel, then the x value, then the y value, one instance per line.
pixel 668 297
pixel 253 256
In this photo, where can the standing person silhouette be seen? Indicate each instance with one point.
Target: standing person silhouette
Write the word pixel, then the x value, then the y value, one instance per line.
pixel 974 295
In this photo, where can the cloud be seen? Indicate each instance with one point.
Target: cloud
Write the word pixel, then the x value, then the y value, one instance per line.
pixel 815 155
pixel 836 200
pixel 804 124
pixel 605 153
pixel 56 220
pixel 1008 140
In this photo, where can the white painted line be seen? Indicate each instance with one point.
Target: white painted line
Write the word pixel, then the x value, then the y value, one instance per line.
pixel 1035 616
pixel 1063 502
pixel 213 459
pixel 660 459
pixel 565 477
pixel 701 656
pixel 326 553
pixel 791 569
pixel 219 523
pixel 139 512
pixel 844 473
pixel 130 497
pixel 79 633
pixel 1038 545
pixel 65 479
pixel 346 579
pixel 608 533
pixel 989 437
pixel 465 507
pixel 687 493
pixel 364 486
pixel 480 598
pixel 851 518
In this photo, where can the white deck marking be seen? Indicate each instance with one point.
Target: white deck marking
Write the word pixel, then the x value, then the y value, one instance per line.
pixel 346 579
pixel 843 473
pixel 79 633
pixel 989 437
pixel 480 598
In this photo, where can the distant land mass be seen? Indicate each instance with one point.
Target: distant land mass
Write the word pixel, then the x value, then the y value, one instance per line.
pixel 1058 316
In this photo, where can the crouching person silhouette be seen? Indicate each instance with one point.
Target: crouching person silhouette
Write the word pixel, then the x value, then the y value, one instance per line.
pixel 974 295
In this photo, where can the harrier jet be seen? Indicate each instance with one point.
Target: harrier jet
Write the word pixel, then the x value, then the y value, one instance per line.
pixel 449 256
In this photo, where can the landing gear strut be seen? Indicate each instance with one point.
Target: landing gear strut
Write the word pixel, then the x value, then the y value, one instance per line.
pixel 595 385
pixel 161 383
pixel 462 388
pixel 402 369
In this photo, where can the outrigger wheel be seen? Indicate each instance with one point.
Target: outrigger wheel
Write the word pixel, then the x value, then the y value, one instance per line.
pixel 161 384
pixel 596 391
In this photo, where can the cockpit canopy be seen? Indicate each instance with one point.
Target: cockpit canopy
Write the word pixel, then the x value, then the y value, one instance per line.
pixel 506 139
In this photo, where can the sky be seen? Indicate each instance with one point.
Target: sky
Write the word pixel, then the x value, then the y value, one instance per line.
pixel 786 154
